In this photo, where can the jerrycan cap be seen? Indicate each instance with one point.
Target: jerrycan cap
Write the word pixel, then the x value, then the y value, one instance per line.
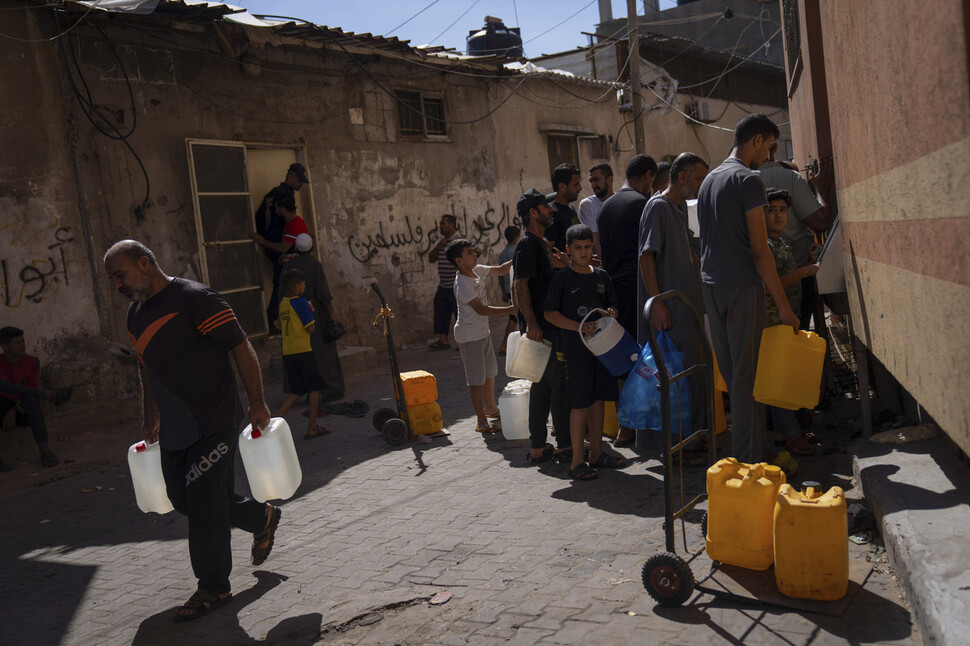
pixel 141 446
pixel 811 487
pixel 256 433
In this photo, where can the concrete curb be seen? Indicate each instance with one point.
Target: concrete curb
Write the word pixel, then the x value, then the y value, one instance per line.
pixel 920 495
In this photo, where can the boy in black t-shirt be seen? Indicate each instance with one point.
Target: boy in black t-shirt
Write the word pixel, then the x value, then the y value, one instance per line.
pixel 573 293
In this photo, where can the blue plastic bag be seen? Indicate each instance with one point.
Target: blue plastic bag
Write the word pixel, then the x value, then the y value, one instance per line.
pixel 639 405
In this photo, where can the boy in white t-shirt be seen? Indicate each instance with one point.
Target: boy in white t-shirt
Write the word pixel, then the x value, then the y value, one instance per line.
pixel 471 328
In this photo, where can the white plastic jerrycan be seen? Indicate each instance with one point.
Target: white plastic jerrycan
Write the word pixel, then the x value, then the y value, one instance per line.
pixel 525 358
pixel 145 463
pixel 270 460
pixel 513 404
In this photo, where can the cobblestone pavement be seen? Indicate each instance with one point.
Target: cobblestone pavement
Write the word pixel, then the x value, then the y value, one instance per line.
pixel 374 531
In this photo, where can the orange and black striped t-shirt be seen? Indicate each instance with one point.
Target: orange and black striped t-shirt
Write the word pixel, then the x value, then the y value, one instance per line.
pixel 183 336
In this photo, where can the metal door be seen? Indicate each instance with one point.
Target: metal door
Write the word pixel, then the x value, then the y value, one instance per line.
pixel 224 223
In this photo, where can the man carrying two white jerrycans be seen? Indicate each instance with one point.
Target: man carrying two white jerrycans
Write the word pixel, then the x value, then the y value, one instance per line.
pixel 184 334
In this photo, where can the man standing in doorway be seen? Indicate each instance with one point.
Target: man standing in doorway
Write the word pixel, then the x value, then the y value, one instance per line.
pixel 601 183
pixel 270 224
pixel 566 184
pixel 184 334
pixel 668 262
pixel 445 306
pixel 736 267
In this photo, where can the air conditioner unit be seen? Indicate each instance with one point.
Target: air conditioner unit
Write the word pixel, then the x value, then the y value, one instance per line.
pixel 700 111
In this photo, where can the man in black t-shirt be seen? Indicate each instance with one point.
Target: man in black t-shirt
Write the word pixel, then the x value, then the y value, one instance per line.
pixel 567 187
pixel 184 334
pixel 619 233
pixel 532 267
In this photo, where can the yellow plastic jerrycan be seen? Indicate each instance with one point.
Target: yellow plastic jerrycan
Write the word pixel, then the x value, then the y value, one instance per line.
pixel 420 387
pixel 611 427
pixel 789 371
pixel 740 511
pixel 720 417
pixel 811 550
pixel 719 385
pixel 425 419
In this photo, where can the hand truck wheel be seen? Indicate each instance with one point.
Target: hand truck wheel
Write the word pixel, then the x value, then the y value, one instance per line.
pixel 668 579
pixel 381 415
pixel 395 431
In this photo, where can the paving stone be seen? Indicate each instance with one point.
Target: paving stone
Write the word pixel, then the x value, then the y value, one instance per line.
pixel 529 556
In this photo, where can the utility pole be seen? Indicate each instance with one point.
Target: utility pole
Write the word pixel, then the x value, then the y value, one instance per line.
pixel 633 40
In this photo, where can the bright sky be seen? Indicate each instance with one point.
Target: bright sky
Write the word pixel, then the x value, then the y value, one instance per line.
pixel 447 22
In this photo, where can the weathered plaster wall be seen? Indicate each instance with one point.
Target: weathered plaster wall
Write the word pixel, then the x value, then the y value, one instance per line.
pixel 901 146
pixel 376 199
pixel 45 278
pixel 47 284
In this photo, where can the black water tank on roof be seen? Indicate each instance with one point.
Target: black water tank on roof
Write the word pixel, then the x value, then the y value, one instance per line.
pixel 495 39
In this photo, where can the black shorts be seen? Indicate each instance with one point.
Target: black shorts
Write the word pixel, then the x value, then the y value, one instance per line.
pixel 302 374
pixel 588 381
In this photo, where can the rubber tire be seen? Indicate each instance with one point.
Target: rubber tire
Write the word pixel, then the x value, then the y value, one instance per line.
pixel 704 525
pixel 381 415
pixel 668 579
pixel 395 431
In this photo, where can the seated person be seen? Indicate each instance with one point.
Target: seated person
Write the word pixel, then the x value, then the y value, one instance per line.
pixel 20 394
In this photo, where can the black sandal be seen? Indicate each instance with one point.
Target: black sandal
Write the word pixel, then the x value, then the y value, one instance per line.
pixel 199 605
pixel 547 453
pixel 606 461
pixel 48 459
pixel 583 472
pixel 261 552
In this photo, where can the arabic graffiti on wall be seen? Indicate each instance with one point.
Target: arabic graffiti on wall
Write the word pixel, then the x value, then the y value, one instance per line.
pixel 485 229
pixel 32 280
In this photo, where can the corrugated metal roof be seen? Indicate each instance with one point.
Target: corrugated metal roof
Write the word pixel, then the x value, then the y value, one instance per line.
pixel 202 12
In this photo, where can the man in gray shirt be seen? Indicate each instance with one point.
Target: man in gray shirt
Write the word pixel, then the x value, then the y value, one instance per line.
pixel 736 267
pixel 668 262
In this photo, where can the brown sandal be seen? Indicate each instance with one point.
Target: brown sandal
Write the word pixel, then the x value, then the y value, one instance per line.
pixel 199 605
pixel 260 552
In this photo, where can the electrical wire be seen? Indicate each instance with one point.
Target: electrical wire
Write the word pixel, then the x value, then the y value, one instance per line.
pixel 91 110
pixel 415 110
pixel 734 49
pixel 726 72
pixel 433 3
pixel 60 34
pixel 690 118
pixel 695 41
pixel 445 31
pixel 515 8
pixel 560 24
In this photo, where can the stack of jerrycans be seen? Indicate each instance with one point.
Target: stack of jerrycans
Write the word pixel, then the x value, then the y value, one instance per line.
pixel 756 520
pixel 421 395
pixel 740 512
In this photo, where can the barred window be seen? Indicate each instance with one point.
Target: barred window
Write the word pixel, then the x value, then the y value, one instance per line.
pixel 793 38
pixel 420 115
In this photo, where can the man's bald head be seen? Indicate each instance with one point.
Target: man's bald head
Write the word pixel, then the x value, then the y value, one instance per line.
pixel 130 249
